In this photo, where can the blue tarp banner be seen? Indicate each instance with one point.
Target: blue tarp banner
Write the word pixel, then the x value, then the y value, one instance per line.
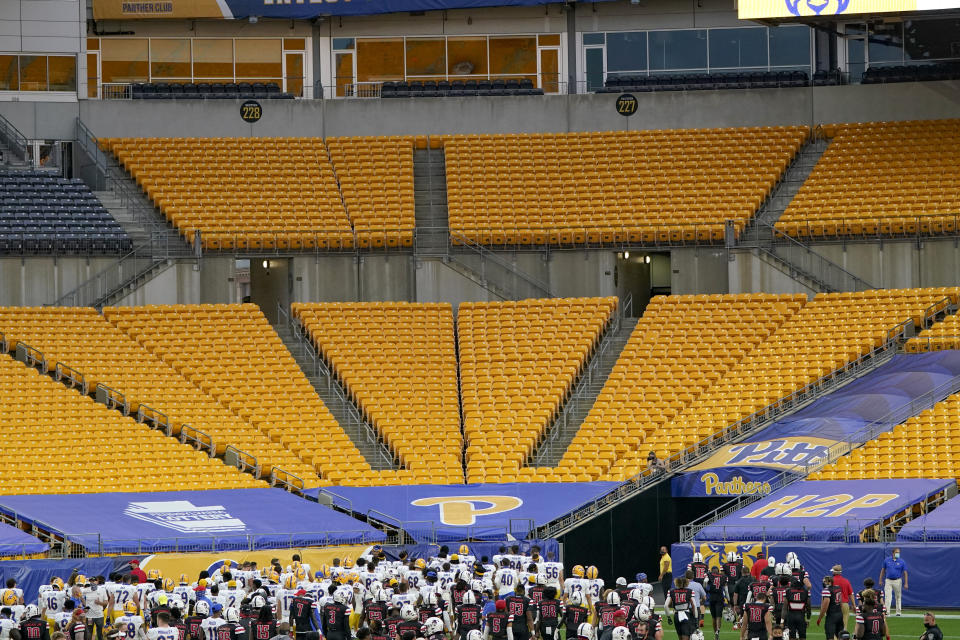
pixel 881 400
pixel 477 549
pixel 243 9
pixel 927 564
pixel 475 511
pixel 821 510
pixel 940 525
pixel 189 520
pixel 14 542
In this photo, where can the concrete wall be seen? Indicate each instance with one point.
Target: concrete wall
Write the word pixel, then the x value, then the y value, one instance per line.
pixel 698 270
pixel 38 281
pixel 749 272
pixel 587 112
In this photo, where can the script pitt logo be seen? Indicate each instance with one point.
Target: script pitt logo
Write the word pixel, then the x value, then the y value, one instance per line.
pixel 816 7
pixel 463 511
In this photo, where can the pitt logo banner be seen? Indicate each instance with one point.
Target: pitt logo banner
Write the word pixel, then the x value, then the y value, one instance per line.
pixel 462 511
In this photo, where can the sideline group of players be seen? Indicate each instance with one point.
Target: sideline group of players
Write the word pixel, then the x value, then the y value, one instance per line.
pixel 510 596
pixel 776 604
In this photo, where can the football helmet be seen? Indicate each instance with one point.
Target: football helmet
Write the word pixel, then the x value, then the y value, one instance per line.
pixel 295 565
pixel 257 602
pixel 476 585
pixel 347 562
pixel 577 571
pixel 575 599
pixel 153 574
pixel 469 598
pixel 407 612
pixel 203 608
pixel 781 569
pixel 637 594
pixel 771 561
pixel 585 630
pixel 273 576
pixel 168 585
pixel 464 550
pixel 454 558
pixel 322 572
pixel 621 633
pixel 232 615
pixel 82 580
pixel 698 557
pixel 642 612
pixel 289 583
pixel 731 556
pixel 420 564
pixel 300 574
pixel 696 635
pixel 232 584
pixel 9 598
pixel 30 611
pixel 592 572
pixel 613 598
pixel 341 596
pixel 794 563
pixel 184 579
pixel 790 556
pixel 474 634
pixel 433 626
pixel 621 581
pixel 57 583
pixel 227 564
pixel 130 607
pixel 202 583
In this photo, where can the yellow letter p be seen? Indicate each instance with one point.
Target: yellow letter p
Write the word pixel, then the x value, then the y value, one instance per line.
pixel 462 511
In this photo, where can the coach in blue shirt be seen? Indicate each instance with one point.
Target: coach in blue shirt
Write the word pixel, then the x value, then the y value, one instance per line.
pixel 895 571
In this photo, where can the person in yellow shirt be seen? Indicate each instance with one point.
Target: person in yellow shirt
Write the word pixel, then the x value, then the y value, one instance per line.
pixel 666 571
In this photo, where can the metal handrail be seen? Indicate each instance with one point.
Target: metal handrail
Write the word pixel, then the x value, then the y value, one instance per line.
pixel 798 471
pixel 31 356
pixel 76 379
pixel 325 491
pixel 286 480
pixel 462 242
pixel 244 461
pixel 383 519
pixel 583 382
pixel 112 398
pixel 154 418
pixel 200 439
pixel 859 284
pixel 3 342
pixel 14 140
pixel 742 428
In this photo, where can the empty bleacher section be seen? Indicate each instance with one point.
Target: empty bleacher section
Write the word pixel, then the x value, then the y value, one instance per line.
pixel 704 81
pixel 456 88
pixel 663 187
pixel 55 440
pixel 241 193
pixel 206 90
pixel 233 354
pixel 518 362
pixel 905 452
pixel 398 362
pixel 42 214
pixel 943 335
pixel 881 179
pixel 86 341
pixel 681 346
pixel 911 73
pixel 376 179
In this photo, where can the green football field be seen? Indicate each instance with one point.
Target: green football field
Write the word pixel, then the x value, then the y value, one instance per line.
pixel 909 625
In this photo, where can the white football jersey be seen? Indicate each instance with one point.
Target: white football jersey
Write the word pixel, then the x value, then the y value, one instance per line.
pixel 231 597
pixel 128 626
pixel 415 578
pixel 505 580
pixel 445 580
pixel 52 602
pixel 209 626
pixel 163 633
pixel 61 620
pixel 551 572
pixel 144 589
pixel 367 578
pixel 575 585
pixel 184 594
pixel 122 594
pixel 594 588
pixel 400 599
pixel 284 598
pixel 6 624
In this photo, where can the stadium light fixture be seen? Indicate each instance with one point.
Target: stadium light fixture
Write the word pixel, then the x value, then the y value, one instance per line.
pixel 626 255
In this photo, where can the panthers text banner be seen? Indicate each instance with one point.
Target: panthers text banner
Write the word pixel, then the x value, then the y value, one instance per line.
pixel 243 9
pixel 239 519
pixel 432 513
pixel 762 9
pixel 822 510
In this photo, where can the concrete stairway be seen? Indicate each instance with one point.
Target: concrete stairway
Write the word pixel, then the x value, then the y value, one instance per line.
pixel 360 432
pixel 588 387
pixel 430 201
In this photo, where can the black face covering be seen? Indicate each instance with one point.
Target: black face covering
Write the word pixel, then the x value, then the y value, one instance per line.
pixel 927 624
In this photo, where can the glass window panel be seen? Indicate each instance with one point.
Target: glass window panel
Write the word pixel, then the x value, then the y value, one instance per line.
pixel 593 38
pixel 259 58
pixel 426 57
pixel 467 56
pixel 789 46
pixel 92 75
pixel 123 59
pixel 513 55
pixel 294 44
pixel 212 58
pixel 931 39
pixel 9 73
pixel 63 73
pixel 627 51
pixel 549 40
pixel 169 58
pixel 33 73
pixel 594 65
pixel 294 73
pixel 678 49
pixel 550 70
pixel 93 44
pixel 379 59
pixel 886 44
pixel 745 47
pixel 342 43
